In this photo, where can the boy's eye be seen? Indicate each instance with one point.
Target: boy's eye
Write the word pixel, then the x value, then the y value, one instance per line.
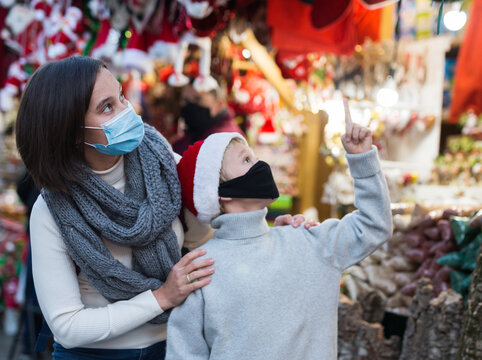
pixel 247 160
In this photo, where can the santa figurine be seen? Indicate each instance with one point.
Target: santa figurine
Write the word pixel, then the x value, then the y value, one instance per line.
pixel 201 19
pixel 43 8
pixel 16 79
pixel 63 33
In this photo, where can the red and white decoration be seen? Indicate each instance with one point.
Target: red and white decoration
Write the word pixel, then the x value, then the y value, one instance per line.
pixel 199 171
pixel 201 19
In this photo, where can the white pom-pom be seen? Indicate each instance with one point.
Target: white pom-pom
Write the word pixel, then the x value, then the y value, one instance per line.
pixel 178 80
pixel 205 83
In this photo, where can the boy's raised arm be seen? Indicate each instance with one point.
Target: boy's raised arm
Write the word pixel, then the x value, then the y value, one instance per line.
pixel 347 241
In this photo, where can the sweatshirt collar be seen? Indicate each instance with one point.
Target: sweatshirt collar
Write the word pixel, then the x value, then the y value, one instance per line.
pixel 241 225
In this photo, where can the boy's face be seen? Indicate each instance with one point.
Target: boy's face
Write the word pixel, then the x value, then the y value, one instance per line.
pixel 238 159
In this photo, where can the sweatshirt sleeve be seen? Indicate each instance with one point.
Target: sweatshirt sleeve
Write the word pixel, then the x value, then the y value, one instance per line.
pixel 185 335
pixel 349 240
pixel 59 296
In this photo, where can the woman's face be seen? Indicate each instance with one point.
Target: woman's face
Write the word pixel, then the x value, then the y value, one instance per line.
pixel 107 101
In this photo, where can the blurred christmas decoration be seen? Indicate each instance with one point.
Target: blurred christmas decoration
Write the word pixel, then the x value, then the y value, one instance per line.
pixel 461 163
pixel 197 24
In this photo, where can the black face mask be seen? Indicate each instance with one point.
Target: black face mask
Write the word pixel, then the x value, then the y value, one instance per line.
pixel 257 183
pixel 197 118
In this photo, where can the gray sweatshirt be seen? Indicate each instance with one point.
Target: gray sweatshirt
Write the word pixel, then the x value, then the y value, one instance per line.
pixel 275 291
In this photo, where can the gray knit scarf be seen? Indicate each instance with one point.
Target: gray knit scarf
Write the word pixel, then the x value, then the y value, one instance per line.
pixel 140 218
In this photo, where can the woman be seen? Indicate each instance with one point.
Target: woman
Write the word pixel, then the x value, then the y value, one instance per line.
pixel 105 234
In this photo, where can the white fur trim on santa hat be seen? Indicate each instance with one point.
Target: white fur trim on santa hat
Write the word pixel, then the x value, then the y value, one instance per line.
pixel 207 173
pixel 137 59
pixel 197 9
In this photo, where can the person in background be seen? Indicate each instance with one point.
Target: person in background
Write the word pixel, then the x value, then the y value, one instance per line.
pixel 204 113
pixel 160 109
pixel 275 291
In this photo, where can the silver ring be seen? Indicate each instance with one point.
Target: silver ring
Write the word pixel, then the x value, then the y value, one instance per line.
pixel 188 279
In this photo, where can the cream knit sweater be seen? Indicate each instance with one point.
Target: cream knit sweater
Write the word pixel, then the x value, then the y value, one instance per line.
pixel 77 314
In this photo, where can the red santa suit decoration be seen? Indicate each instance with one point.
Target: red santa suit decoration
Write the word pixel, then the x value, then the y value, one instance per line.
pixel 63 33
pixel 16 79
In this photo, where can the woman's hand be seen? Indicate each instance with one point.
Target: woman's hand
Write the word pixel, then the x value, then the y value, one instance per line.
pixel 294 221
pixel 357 139
pixel 185 277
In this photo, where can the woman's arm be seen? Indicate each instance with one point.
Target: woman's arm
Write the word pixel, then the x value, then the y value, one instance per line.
pixel 59 296
pixel 60 299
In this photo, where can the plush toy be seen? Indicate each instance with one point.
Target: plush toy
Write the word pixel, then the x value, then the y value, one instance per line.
pixel 293 67
pixel 164 45
pixel 62 33
pixel 106 42
pixel 43 8
pixel 135 55
pixel 252 93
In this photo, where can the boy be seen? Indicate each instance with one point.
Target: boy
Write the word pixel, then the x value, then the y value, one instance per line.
pixel 275 291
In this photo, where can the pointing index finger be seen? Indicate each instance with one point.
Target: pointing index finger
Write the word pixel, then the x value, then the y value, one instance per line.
pixel 347 112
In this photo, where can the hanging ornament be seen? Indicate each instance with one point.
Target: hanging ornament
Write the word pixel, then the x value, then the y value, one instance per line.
pixel 293 67
pixel 141 12
pixel 267 133
pixel 201 21
pixel 252 93
pixel 43 8
pixel 106 42
pixel 164 46
pixel 135 55
pixel 16 79
pixel 64 33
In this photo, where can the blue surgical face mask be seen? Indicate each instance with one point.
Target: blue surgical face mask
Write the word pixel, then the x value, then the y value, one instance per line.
pixel 124 133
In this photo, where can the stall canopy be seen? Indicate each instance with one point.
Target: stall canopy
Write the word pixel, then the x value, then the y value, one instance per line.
pixel 310 26
pixel 467 92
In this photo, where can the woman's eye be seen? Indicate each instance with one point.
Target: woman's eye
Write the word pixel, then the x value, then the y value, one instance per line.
pixel 107 108
pixel 247 160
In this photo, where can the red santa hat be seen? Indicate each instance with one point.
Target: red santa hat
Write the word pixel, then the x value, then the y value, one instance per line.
pixel 135 55
pixel 42 8
pixel 105 46
pixel 199 171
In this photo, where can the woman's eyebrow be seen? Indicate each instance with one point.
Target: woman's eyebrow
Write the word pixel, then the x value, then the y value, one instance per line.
pixel 103 102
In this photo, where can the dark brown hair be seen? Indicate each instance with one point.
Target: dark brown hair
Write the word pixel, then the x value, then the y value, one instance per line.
pixel 50 120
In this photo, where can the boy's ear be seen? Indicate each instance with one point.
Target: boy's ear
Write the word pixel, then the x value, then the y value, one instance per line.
pixel 221 198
